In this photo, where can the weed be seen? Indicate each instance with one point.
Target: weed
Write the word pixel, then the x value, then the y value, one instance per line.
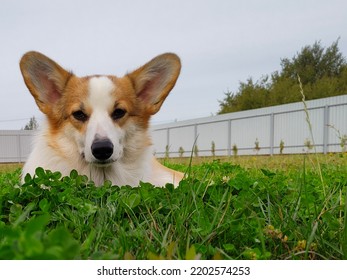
pixel 256 147
pixel 342 138
pixel 281 147
pixel 196 150
pixel 235 150
pixel 309 146
pixel 181 152
pixel 213 148
pixel 308 121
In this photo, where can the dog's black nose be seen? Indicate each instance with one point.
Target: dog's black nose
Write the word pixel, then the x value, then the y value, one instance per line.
pixel 102 149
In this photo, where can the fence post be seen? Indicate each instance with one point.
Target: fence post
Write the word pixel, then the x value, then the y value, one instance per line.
pixel 325 129
pixel 168 140
pixel 229 138
pixel 272 133
pixel 195 135
pixel 19 148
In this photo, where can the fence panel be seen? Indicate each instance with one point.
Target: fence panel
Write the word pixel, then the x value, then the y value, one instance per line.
pixel 212 132
pixel 245 132
pixel 15 146
pixel 337 128
pixel 269 126
pixel 181 137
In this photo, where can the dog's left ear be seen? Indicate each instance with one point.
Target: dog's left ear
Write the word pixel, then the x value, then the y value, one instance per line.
pixel 44 78
pixel 154 80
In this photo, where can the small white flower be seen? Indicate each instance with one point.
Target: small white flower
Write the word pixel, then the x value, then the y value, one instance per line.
pixel 225 179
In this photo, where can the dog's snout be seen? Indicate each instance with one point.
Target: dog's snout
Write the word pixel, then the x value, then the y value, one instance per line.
pixel 102 149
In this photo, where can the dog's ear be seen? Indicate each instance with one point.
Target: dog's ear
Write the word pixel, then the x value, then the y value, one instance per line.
pixel 44 78
pixel 154 80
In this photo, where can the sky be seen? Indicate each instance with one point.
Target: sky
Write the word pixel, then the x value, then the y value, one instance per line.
pixel 220 42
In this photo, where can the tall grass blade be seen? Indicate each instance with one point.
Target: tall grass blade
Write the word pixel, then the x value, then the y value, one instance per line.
pixel 308 121
pixel 344 238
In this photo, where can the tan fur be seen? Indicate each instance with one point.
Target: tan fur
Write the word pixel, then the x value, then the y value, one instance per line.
pixel 59 94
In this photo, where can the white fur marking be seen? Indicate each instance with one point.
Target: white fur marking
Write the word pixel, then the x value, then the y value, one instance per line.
pixel 100 124
pixel 100 93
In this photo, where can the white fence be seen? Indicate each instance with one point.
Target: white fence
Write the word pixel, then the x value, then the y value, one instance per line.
pixel 269 126
pixel 15 145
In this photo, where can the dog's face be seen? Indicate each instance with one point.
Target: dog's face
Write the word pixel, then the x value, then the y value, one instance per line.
pixel 105 117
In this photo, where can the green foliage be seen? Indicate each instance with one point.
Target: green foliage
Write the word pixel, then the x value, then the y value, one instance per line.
pixel 196 150
pixel 323 73
pixel 281 146
pixel 213 148
pixel 308 144
pixel 235 150
pixel 181 151
pixel 341 137
pixel 256 146
pixel 314 63
pixel 250 95
pixel 220 211
pixel 343 142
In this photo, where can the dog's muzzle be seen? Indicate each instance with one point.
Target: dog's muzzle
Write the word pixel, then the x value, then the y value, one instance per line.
pixel 102 149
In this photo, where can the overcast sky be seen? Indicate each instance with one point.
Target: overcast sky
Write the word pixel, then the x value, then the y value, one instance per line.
pixel 220 42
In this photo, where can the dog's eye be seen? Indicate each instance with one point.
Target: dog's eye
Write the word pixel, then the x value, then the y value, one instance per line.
pixel 118 114
pixel 80 116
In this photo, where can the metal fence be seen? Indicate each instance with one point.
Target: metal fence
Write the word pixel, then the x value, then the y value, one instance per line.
pixel 276 129
pixel 15 145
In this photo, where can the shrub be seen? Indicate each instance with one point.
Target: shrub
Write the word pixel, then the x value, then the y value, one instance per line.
pixel 181 151
pixel 256 147
pixel 235 150
pixel 281 147
pixel 213 149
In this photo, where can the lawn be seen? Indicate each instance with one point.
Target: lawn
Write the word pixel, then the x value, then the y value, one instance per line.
pixel 280 207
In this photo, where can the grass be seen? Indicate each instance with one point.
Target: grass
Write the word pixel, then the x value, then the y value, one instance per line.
pixel 276 162
pixel 8 167
pixel 229 208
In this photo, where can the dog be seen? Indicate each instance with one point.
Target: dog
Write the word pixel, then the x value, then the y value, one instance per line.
pixel 99 125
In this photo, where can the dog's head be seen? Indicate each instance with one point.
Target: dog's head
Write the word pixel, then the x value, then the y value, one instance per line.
pixel 104 116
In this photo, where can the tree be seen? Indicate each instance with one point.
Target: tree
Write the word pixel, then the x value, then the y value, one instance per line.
pixel 323 73
pixel 32 124
pixel 251 95
pixel 314 62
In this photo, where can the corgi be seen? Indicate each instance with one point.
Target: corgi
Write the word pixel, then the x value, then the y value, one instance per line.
pixel 99 125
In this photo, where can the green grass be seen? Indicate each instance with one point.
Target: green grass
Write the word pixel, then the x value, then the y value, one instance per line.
pixel 9 167
pixel 230 208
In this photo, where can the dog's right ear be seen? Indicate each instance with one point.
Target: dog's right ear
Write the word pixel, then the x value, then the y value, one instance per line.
pixel 154 80
pixel 44 78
